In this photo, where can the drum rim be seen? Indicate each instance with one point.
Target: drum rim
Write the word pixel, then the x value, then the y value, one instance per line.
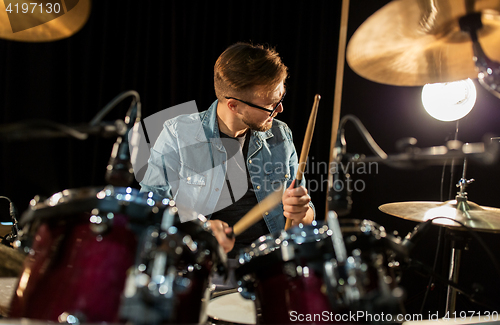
pixel 295 236
pixel 98 193
pixel 266 245
pixel 112 199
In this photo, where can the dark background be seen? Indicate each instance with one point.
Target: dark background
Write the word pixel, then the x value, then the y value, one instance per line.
pixel 166 50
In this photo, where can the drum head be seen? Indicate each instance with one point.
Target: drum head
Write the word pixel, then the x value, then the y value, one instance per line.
pixel 232 308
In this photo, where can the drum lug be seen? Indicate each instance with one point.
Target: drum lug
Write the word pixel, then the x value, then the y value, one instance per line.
pixel 330 274
pixel 287 251
pixel 246 286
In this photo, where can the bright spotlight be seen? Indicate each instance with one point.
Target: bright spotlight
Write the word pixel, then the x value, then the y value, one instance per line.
pixel 449 101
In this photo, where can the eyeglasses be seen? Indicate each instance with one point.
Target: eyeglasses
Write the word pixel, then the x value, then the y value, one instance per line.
pixel 271 112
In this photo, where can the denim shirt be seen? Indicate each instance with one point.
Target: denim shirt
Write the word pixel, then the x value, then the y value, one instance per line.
pixel 187 164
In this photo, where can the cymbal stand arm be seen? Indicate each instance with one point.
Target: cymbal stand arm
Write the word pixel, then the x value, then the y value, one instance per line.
pixel 461 196
pixel 488 70
pixel 462 184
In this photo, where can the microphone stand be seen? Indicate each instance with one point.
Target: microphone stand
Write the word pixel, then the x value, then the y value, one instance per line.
pixel 119 171
pixel 10 238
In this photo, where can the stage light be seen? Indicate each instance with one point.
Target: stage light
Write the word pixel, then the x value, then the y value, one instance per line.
pixel 449 101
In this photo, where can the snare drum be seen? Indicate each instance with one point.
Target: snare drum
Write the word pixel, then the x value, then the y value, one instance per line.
pixel 284 273
pixel 80 244
pixel 294 277
pixel 231 308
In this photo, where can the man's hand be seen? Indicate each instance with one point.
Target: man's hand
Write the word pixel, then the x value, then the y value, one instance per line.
pixel 296 205
pixel 220 230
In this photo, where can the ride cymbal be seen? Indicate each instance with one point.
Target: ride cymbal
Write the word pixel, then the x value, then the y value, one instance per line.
pixel 42 20
pixel 415 42
pixel 472 215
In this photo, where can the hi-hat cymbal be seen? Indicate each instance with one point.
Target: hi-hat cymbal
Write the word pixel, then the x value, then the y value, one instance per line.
pixel 415 42
pixel 43 21
pixel 472 215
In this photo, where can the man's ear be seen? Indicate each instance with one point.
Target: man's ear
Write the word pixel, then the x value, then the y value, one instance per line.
pixel 232 105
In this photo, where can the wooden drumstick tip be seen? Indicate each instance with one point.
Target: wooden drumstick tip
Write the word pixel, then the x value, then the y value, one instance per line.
pixel 317 97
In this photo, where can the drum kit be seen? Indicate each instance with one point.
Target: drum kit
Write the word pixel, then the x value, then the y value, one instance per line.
pixel 113 254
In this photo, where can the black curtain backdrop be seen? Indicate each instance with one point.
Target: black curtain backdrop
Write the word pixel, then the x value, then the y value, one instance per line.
pixel 166 50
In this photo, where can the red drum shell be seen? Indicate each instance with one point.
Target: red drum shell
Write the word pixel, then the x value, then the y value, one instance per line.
pixel 288 274
pixel 71 268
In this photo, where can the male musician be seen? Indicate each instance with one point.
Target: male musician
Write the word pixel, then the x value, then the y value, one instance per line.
pixel 224 161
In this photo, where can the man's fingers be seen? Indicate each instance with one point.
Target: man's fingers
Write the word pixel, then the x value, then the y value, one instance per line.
pixel 221 230
pixel 294 200
pixel 296 208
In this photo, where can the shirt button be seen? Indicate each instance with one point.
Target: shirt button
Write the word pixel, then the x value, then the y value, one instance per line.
pixel 258 187
pixel 189 178
pixel 216 190
pixel 286 175
pixel 267 213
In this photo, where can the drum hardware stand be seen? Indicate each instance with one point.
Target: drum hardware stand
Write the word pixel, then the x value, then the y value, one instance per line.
pixel 458 242
pixel 488 70
pixel 10 238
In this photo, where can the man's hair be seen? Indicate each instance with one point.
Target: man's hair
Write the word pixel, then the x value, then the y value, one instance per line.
pixel 243 66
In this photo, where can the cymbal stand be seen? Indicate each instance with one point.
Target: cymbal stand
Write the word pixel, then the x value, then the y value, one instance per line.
pixel 488 70
pixel 458 243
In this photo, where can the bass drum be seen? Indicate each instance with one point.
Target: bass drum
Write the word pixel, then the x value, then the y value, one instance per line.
pixel 294 276
pixel 80 244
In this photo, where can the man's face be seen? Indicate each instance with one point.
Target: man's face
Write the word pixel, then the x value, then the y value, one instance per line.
pixel 260 120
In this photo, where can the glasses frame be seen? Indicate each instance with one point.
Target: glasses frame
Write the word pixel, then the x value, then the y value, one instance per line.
pixel 271 112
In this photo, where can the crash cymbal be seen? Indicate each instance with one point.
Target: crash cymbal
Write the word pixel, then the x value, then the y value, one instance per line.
pixel 472 215
pixel 44 22
pixel 415 42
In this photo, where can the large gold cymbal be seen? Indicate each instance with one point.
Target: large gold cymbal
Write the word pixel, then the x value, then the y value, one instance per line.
pixel 472 215
pixel 42 20
pixel 415 42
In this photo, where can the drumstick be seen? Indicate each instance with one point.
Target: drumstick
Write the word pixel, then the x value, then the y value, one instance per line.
pixel 305 148
pixel 337 99
pixel 256 213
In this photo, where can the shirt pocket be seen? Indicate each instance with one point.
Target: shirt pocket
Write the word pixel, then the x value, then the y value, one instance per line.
pixel 192 177
pixel 279 174
pixel 196 179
